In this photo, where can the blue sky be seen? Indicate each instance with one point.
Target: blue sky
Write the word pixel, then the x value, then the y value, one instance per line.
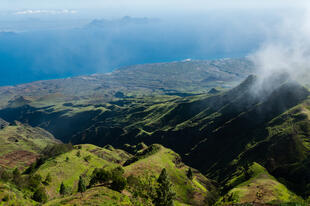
pixel 146 4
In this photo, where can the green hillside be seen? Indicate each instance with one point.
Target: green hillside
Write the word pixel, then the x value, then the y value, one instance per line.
pixel 256 185
pixel 64 164
pixel 231 127
pixel 198 191
pixel 249 144
pixel 11 195
pixel 94 196
pixel 21 145
pixel 68 167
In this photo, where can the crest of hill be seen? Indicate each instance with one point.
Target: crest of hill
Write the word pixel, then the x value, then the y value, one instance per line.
pixel 259 187
pixel 68 167
pixel 18 102
pixel 153 159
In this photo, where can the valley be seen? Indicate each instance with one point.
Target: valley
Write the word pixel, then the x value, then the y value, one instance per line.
pixel 245 142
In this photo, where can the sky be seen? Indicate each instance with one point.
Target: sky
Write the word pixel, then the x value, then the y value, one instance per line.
pixel 148 5
pixel 151 8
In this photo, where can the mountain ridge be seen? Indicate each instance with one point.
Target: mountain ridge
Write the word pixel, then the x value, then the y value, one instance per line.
pixel 136 81
pixel 253 135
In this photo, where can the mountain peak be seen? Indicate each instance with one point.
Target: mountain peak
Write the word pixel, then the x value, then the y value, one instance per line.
pixel 18 101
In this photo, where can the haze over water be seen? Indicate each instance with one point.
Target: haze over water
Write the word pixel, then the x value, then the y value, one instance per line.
pixel 55 41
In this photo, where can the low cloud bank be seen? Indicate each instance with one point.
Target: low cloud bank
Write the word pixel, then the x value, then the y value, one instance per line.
pixel 286 52
pixel 53 12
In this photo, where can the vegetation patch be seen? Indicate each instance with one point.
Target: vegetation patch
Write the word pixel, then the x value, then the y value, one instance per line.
pixel 260 188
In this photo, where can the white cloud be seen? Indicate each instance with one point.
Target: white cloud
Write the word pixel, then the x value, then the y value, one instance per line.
pixel 287 50
pixel 53 12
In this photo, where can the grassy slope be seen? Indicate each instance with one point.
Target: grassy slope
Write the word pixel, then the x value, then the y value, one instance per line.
pixel 20 145
pixel 15 196
pixel 286 151
pixel 260 188
pixel 94 196
pixel 292 126
pixel 69 171
pixel 187 191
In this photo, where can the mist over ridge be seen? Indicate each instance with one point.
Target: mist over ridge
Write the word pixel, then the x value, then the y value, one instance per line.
pixel 285 53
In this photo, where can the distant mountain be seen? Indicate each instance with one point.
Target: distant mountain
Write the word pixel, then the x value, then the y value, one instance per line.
pixel 7 33
pixel 53 49
pixel 126 20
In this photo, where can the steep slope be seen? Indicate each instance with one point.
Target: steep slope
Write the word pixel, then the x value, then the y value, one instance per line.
pixel 82 160
pixel 69 166
pixel 243 120
pixel 198 191
pixel 11 195
pixel 94 196
pixel 258 121
pixel 258 187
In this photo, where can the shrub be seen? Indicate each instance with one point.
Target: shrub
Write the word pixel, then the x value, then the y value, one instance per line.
pixel 246 170
pixel 40 162
pixel 143 186
pixel 119 183
pixel 4 175
pixel 81 185
pixel 164 193
pixel 62 189
pixel 34 166
pixel 17 178
pixel 34 181
pixel 5 198
pixel 118 171
pixel 87 158
pixel 30 169
pixel 78 154
pixel 100 176
pixel 16 173
pixel 40 195
pixel 189 174
pixel 57 149
pixel 106 176
pixel 48 179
